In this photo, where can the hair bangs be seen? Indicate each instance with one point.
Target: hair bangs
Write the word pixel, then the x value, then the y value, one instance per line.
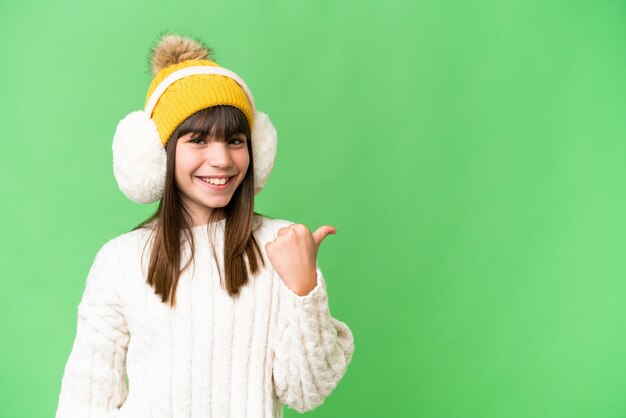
pixel 221 122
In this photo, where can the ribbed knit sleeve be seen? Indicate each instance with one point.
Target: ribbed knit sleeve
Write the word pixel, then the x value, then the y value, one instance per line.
pixel 94 379
pixel 311 349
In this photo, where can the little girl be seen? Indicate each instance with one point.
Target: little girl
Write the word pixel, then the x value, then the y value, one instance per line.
pixel 207 308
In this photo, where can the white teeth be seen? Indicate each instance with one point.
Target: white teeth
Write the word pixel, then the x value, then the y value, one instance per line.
pixel 215 181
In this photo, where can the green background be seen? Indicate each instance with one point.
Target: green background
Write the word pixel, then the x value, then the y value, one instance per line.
pixel 469 153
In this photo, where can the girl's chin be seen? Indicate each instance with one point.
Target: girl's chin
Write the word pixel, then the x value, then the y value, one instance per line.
pixel 213 201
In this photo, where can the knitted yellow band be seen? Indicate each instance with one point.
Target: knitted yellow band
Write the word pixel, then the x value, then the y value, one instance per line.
pixel 191 94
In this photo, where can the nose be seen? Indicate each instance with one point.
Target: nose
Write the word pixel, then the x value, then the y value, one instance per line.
pixel 218 154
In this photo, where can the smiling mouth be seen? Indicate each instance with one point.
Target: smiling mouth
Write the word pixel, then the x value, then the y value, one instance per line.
pixel 216 182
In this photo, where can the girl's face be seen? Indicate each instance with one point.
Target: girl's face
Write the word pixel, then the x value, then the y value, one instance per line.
pixel 199 159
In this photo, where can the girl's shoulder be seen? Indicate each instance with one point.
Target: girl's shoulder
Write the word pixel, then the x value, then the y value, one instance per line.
pixel 127 242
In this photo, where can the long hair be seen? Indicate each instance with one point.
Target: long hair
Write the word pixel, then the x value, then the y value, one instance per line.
pixel 171 222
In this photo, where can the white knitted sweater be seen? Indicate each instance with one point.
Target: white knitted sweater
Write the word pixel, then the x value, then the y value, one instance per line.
pixel 210 355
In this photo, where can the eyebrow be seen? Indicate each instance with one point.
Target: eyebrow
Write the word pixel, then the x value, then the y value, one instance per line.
pixel 194 134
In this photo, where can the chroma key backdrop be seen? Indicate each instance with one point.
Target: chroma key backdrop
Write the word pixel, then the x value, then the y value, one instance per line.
pixel 470 154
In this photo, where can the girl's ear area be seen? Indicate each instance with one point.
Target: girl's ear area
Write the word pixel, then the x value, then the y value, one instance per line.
pixel 264 144
pixel 139 160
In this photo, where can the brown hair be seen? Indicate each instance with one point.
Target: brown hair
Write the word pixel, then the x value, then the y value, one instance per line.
pixel 172 219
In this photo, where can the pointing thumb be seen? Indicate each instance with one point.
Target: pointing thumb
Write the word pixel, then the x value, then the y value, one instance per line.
pixel 322 232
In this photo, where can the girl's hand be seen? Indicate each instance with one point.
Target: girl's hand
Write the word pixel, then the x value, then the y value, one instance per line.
pixel 293 253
